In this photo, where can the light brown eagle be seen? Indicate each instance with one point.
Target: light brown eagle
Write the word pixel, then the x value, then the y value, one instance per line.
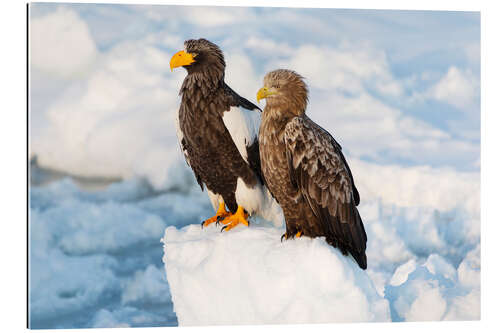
pixel 305 170
pixel 218 134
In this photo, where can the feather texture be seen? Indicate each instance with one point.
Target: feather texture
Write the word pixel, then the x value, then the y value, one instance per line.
pixel 306 171
pixel 217 131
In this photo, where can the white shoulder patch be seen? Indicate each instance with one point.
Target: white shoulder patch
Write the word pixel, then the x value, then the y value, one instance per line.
pixel 243 125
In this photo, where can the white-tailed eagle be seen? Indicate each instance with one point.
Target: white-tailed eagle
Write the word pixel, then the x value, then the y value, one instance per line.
pixel 305 170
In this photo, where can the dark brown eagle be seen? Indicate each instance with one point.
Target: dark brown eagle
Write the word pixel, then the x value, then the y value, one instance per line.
pixel 218 134
pixel 305 170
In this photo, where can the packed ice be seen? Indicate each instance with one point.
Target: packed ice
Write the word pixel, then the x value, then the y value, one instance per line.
pixel 96 260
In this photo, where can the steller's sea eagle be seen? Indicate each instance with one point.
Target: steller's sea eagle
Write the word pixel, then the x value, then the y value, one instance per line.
pixel 218 134
pixel 305 170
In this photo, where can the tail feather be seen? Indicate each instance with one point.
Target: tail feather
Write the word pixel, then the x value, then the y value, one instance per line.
pixel 359 253
pixel 347 235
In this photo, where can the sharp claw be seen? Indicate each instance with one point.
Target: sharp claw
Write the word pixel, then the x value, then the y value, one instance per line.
pixel 282 237
pixel 224 227
pixel 202 223
pixel 219 218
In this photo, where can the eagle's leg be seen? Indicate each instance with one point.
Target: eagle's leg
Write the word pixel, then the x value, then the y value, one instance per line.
pixel 219 215
pixel 285 235
pixel 233 220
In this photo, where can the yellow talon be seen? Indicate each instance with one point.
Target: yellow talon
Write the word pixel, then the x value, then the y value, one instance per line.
pixel 233 220
pixel 219 215
pixel 285 235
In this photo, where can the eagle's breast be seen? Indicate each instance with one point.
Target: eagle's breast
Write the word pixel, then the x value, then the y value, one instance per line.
pixel 274 162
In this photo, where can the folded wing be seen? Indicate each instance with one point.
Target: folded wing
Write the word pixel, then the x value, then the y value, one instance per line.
pixel 320 172
pixel 243 121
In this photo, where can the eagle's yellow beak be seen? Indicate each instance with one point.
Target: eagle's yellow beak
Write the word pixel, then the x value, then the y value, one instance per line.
pixel 264 92
pixel 181 58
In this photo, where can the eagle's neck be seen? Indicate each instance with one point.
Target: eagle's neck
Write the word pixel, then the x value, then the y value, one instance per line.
pixel 275 120
pixel 200 83
pixel 278 116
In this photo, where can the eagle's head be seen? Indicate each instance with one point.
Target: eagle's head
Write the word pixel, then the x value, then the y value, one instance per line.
pixel 200 56
pixel 284 89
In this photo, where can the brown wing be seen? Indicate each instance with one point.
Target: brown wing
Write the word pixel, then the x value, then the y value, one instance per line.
pixel 319 171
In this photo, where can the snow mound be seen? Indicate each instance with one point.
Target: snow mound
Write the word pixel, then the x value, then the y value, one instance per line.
pixel 95 256
pixel 247 276
pixel 435 290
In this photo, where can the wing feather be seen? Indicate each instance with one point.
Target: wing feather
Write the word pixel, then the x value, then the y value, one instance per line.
pixel 242 121
pixel 320 172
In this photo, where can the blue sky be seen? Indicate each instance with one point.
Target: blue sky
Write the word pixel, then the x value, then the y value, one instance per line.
pixel 394 87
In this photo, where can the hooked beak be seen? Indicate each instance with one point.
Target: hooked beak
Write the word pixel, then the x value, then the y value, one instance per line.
pixel 181 58
pixel 264 92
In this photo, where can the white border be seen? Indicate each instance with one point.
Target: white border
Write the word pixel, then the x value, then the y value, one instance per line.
pixel 13 148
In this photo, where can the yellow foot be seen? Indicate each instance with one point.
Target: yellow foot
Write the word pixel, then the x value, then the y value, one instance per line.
pixel 219 215
pixel 233 220
pixel 285 236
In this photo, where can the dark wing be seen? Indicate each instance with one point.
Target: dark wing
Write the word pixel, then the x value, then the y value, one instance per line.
pixel 250 114
pixel 237 100
pixel 319 171
pixel 339 149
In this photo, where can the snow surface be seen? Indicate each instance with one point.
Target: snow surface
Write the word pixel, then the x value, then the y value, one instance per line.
pixel 423 260
pixel 249 277
pixel 435 290
pixel 96 257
